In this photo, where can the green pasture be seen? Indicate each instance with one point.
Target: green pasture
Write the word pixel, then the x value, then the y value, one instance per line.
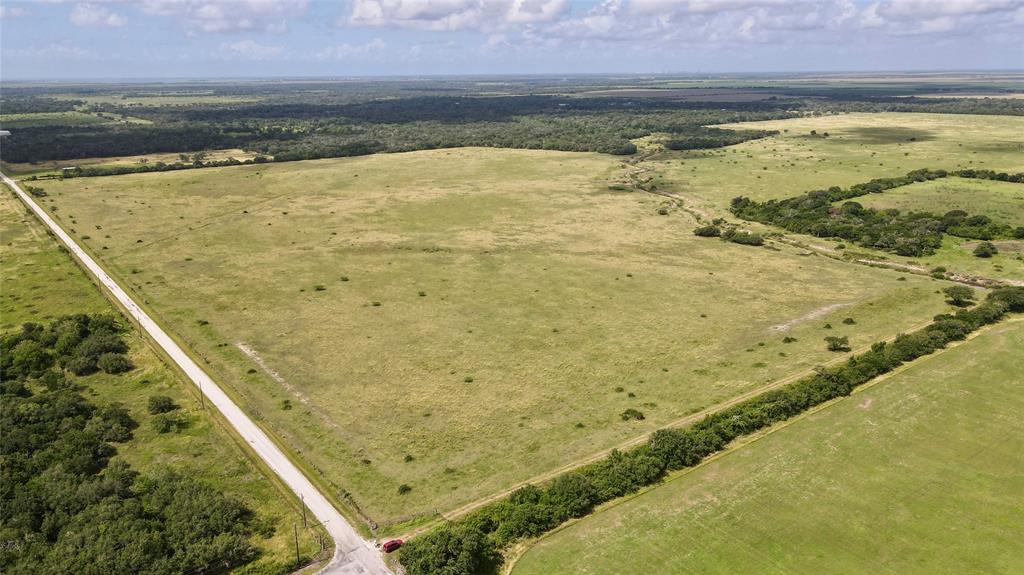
pixel 918 474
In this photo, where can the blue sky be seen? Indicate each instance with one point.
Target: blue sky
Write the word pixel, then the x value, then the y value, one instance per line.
pixel 56 39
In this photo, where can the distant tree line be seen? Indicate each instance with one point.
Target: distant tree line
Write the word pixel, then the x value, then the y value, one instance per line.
pixel 906 234
pixel 472 545
pixel 65 507
pixel 715 138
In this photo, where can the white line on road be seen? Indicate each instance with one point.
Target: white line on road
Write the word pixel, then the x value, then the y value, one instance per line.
pixel 352 553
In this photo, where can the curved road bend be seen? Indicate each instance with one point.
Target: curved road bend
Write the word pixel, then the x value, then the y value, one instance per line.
pixel 352 554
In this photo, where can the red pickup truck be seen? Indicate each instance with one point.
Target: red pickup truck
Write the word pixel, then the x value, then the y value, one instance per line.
pixel 390 546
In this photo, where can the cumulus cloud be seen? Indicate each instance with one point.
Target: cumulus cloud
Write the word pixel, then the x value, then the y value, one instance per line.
pixel 452 14
pixel 233 16
pixel 54 51
pixel 350 51
pixel 12 12
pixel 96 16
pixel 250 50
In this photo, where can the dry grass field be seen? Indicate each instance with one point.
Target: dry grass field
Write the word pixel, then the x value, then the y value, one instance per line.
pixel 461 320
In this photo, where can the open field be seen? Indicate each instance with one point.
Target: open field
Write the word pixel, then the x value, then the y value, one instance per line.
pixel 859 147
pixel 461 320
pixel 54 166
pixel 917 474
pixel 1001 201
pixel 42 283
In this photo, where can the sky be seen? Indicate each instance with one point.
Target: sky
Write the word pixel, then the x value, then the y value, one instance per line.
pixel 54 39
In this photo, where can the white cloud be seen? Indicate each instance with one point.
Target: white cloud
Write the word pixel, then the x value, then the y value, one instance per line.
pixel 250 50
pixel 58 51
pixel 349 51
pixel 12 12
pixel 449 15
pixel 229 16
pixel 96 16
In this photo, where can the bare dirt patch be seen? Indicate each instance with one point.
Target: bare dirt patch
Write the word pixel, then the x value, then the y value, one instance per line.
pixel 821 311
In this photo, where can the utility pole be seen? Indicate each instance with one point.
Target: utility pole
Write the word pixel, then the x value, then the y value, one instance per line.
pixel 295 530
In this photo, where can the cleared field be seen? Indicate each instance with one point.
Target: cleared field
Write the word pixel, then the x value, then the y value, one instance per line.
pixel 461 320
pixel 41 283
pixel 918 474
pixel 1001 201
pixel 40 119
pixel 858 147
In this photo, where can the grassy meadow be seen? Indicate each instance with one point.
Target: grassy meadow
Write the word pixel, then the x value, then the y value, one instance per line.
pixel 1001 201
pixel 459 321
pixel 53 167
pixel 41 283
pixel 917 474
pixel 858 147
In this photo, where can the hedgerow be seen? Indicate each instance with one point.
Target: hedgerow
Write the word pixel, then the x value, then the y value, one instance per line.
pixel 471 544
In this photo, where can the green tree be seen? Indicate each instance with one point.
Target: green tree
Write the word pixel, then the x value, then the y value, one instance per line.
pixel 986 250
pixel 959 295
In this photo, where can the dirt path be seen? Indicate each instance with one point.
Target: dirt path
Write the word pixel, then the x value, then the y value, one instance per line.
pixel 821 311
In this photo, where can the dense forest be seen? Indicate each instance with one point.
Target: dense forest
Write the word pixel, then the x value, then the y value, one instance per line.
pixel 66 506
pixel 318 120
pixel 905 234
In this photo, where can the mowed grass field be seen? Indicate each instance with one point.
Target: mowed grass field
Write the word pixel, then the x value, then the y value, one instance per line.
pixel 920 473
pixel 462 320
pixel 41 283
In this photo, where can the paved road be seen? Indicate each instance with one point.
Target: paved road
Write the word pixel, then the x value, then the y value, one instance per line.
pixel 352 553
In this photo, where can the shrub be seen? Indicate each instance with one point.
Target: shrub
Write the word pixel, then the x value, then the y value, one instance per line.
pixel 849 321
pixel 959 295
pixel 788 339
pixel 631 414
pixel 711 231
pixel 114 363
pixel 403 489
pixel 167 422
pixel 160 404
pixel 838 343
pixel 747 239
pixel 986 250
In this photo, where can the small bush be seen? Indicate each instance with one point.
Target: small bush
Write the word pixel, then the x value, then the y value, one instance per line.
pixel 632 414
pixel 708 231
pixel 114 363
pixel 167 423
pixel 788 339
pixel 849 321
pixel 158 404
pixel 747 239
pixel 986 250
pixel 838 343
pixel 403 489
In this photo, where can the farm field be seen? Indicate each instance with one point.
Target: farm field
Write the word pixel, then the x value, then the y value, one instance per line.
pixel 457 321
pixel 859 147
pixel 917 474
pixel 42 283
